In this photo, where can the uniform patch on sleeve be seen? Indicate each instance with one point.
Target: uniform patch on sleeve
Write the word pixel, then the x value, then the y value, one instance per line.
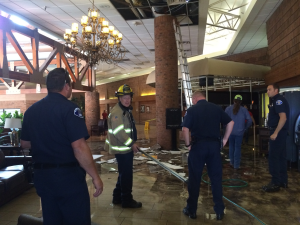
pixel 115 118
pixel 77 112
pixel 279 102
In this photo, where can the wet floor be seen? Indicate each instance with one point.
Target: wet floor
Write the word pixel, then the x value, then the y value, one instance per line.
pixel 164 196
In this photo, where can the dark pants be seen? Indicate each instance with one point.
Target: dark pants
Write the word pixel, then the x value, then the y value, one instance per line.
pixel 201 153
pixel 64 195
pixel 277 158
pixel 124 184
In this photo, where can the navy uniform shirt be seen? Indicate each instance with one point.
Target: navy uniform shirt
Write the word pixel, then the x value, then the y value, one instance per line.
pixel 51 125
pixel 278 105
pixel 204 118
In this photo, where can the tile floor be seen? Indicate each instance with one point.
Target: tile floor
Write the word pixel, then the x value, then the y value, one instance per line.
pixel 164 196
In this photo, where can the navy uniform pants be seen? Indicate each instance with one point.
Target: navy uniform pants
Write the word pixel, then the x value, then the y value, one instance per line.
pixel 205 152
pixel 277 158
pixel 64 195
pixel 123 189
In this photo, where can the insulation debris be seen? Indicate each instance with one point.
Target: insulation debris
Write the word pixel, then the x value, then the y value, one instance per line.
pixel 175 152
pixel 152 162
pixel 97 156
pixel 145 149
pixel 165 151
pixel 101 162
pixel 140 158
pixel 155 147
pixel 174 167
pixel 112 160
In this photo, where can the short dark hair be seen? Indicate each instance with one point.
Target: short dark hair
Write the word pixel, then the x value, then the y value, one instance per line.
pixel 275 86
pixel 199 93
pixel 56 79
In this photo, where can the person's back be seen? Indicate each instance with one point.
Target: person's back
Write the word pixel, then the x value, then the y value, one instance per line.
pixel 239 119
pixel 51 133
pixel 239 115
pixel 203 119
pixel 55 130
pixel 104 115
pixel 206 116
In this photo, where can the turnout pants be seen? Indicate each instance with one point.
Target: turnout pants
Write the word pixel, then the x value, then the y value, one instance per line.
pixel 277 158
pixel 64 195
pixel 205 152
pixel 123 189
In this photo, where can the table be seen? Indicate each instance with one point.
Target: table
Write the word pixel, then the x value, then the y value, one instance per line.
pixel 11 149
pixel 264 136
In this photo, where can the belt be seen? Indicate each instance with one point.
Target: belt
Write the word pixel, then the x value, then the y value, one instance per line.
pixel 272 128
pixel 195 139
pixel 54 165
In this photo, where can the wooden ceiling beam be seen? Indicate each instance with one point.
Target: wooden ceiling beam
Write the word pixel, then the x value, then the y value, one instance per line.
pixel 19 50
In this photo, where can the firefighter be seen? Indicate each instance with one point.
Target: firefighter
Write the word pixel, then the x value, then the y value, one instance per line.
pixel 120 141
pixel 279 112
pixel 203 119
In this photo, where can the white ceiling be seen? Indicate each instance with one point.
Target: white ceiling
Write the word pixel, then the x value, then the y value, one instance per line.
pixel 245 31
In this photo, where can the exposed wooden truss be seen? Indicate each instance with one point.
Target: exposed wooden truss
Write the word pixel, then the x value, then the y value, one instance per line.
pixel 36 67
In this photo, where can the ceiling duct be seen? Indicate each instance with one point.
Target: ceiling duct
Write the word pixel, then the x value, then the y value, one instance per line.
pixel 145 9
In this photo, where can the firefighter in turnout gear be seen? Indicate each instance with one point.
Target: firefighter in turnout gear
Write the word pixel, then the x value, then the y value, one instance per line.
pixel 120 141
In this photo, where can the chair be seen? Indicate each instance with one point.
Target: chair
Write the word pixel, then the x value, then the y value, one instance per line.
pixel 4 136
pixel 95 128
pixel 25 219
pixel 101 125
pixel 13 176
pixel 99 128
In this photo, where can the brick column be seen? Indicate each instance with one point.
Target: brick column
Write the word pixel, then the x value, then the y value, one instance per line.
pixel 92 109
pixel 166 74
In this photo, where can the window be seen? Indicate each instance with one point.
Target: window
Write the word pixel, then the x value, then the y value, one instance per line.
pixel 12 111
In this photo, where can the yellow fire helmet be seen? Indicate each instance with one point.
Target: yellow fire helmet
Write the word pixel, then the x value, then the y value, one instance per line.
pixel 124 90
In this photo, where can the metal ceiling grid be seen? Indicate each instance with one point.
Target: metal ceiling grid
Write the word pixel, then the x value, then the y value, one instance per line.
pixel 224 82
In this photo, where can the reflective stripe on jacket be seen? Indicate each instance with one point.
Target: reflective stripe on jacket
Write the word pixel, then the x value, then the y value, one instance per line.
pixel 120 132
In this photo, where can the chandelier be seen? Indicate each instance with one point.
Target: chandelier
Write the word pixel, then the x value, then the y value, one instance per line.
pixel 99 41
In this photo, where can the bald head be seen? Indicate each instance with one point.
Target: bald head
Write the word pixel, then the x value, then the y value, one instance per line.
pixel 198 95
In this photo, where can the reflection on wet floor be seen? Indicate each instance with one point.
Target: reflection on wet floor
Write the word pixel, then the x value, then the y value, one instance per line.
pixel 164 196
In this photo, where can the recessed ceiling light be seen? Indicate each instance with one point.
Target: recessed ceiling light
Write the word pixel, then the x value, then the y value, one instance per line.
pixel 111 77
pixel 153 67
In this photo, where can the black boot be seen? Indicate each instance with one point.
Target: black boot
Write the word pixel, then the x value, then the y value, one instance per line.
pixel 283 185
pixel 132 204
pixel 220 216
pixel 116 201
pixel 271 187
pixel 191 215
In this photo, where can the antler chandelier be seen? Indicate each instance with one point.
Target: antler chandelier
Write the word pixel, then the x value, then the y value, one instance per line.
pixel 99 41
